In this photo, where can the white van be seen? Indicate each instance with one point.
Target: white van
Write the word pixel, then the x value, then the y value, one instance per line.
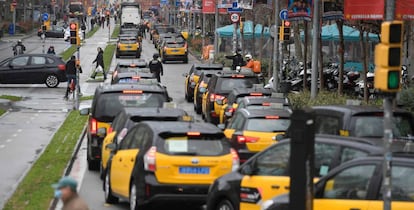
pixel 130 15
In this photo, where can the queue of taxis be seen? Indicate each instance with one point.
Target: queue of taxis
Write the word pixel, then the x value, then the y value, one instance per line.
pixel 159 160
pixel 128 45
pixel 201 88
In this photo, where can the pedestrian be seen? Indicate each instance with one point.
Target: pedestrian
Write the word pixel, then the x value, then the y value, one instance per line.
pixel 71 67
pixel 108 20
pixel 103 21
pixel 83 29
pixel 142 29
pixel 92 23
pixel 237 59
pixel 66 190
pixel 155 67
pixel 99 64
pixel 51 50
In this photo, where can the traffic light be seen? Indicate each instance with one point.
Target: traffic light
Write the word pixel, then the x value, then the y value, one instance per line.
pixel 388 57
pixel 286 30
pixel 74 38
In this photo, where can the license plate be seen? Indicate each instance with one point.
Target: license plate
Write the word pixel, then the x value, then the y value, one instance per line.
pixel 194 170
pixel 175 50
pixel 128 46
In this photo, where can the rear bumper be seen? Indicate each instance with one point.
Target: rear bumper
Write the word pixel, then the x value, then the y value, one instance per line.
pixel 175 57
pixel 94 147
pixel 156 191
pixel 127 52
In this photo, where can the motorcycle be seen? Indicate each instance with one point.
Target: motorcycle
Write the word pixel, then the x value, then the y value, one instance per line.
pixel 18 50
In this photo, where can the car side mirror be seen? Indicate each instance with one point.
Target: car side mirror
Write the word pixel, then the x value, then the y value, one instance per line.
pixel 221 126
pixel 185 74
pixel 101 132
pixel 279 137
pixel 247 169
pixel 111 146
pixel 84 111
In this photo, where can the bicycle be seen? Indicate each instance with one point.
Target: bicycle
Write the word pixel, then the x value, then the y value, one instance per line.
pixel 72 89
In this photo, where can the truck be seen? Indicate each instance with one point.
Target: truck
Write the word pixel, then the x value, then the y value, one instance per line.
pixel 75 9
pixel 130 14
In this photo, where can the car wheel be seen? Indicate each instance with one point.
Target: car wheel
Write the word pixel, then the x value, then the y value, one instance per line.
pixel 101 171
pixel 133 197
pixel 109 197
pixel 51 81
pixel 225 205
pixel 198 109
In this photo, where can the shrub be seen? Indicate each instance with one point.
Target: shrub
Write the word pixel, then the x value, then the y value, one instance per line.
pixel 406 99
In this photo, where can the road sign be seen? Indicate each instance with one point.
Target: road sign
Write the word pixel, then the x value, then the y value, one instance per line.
pixel 45 16
pixel 234 17
pixel 234 10
pixel 235 5
pixel 283 14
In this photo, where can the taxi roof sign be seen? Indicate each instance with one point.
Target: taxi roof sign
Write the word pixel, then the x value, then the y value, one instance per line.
pixel 170 105
pixel 276 105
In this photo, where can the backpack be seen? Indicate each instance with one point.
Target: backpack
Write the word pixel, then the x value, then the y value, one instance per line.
pixel 257 68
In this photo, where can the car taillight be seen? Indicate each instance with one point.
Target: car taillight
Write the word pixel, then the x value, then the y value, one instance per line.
pixel 149 159
pixel 236 160
pixel 93 125
pixel 110 129
pixel 256 94
pixel 61 67
pixel 246 139
pixel 229 111
pixel 119 45
pixel 217 98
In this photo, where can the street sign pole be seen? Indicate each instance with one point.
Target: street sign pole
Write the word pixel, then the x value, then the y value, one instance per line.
pixel 77 87
pixel 315 48
pixel 388 135
pixel 216 17
pixel 276 50
pixel 14 20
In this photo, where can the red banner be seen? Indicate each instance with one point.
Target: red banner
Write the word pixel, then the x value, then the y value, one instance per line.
pixel 404 10
pixel 364 9
pixel 209 6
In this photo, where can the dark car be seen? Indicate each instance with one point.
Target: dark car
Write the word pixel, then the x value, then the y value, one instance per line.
pixel 263 102
pixel 108 101
pixel 33 69
pixel 201 87
pixel 126 66
pixel 220 86
pixel 167 161
pixel 133 76
pixel 191 78
pixel 358 183
pixel 361 121
pixel 54 32
pixel 266 174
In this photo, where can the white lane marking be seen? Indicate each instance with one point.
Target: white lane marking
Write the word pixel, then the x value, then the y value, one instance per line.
pixel 2 146
pixel 14 135
pixel 19 130
pixel 9 140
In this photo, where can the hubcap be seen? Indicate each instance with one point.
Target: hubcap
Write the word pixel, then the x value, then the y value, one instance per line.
pixel 224 206
pixel 51 80
pixel 133 197
pixel 107 186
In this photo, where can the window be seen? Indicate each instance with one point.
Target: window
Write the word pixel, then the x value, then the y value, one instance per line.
pixel 200 146
pixel 37 60
pixel 351 153
pixel 20 61
pixel 268 125
pixel 127 140
pixel 139 137
pixel 402 184
pixel 371 126
pixel 324 156
pixel 327 125
pixel 237 122
pixel 351 183
pixel 273 162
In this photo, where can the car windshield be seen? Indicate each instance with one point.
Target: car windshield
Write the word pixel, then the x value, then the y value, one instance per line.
pixel 109 104
pixel 372 126
pixel 195 147
pixel 226 85
pixel 267 125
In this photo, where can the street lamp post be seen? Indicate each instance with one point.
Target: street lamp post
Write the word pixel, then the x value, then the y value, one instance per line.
pixel 216 17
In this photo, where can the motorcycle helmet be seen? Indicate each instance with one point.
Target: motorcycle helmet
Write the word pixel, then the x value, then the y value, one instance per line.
pixel 248 57
pixel 19 41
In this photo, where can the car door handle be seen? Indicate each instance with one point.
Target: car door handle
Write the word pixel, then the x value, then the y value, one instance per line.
pixel 354 209
pixel 132 159
pixel 275 187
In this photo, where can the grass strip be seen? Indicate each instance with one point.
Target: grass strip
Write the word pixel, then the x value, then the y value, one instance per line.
pixel 2 111
pixel 115 32
pixel 11 98
pixel 108 55
pixel 85 98
pixel 68 52
pixel 92 32
pixel 35 191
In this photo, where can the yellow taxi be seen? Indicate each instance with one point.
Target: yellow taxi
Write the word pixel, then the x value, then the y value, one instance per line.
pixel 127 118
pixel 201 88
pixel 175 161
pixel 266 174
pixel 251 131
pixel 192 77
pixel 174 49
pixel 358 183
pixel 128 45
pixel 107 102
pixel 236 95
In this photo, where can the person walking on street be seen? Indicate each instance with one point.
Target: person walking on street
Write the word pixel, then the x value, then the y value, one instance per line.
pixel 99 64
pixel 237 59
pixel 155 67
pixel 51 50
pixel 66 190
pixel 83 29
pixel 71 67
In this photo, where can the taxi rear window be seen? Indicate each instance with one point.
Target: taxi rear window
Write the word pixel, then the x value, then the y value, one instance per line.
pixel 163 30
pixel 109 104
pixel 191 146
pixel 175 44
pixel 267 125
pixel 128 41
pixel 226 85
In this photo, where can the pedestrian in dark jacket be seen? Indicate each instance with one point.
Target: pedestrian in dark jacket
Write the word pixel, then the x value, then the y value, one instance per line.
pixel 66 190
pixel 237 59
pixel 51 50
pixel 155 67
pixel 71 67
pixel 99 63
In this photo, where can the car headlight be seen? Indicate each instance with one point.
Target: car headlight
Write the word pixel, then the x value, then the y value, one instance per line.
pixel 265 205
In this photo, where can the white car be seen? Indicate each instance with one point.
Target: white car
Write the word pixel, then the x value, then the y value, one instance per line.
pixel 66 36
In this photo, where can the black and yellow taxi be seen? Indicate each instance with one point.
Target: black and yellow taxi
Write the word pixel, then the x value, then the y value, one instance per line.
pixel 264 102
pixel 361 121
pixel 169 161
pixel 158 30
pixel 129 66
pixel 236 95
pixel 174 49
pixel 108 101
pixel 127 118
pixel 266 174
pixel 200 88
pixel 191 78
pixel 128 45
pixel 220 86
pixel 357 184
pixel 251 131
pixel 133 76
